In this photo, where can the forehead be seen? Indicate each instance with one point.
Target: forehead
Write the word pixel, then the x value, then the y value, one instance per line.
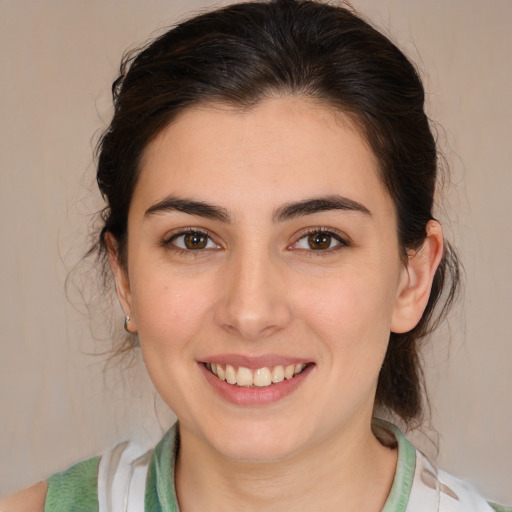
pixel 282 149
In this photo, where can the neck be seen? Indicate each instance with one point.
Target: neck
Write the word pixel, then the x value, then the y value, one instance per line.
pixel 349 472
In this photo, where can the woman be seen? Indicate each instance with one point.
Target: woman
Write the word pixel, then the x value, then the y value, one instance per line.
pixel 269 175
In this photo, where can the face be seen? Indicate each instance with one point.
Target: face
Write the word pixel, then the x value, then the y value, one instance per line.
pixel 263 276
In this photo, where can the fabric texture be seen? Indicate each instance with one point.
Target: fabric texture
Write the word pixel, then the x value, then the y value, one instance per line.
pixel 500 508
pixel 75 489
pixel 122 476
pixel 417 487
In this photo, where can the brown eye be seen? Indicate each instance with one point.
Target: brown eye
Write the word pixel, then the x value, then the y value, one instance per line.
pixel 195 241
pixel 192 241
pixel 319 241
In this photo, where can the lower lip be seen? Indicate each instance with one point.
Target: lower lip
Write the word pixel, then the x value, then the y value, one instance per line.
pixel 241 395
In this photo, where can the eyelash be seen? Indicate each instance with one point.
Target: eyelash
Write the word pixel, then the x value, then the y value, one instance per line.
pixel 169 242
pixel 342 241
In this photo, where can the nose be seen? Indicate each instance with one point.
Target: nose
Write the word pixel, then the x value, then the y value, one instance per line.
pixel 253 303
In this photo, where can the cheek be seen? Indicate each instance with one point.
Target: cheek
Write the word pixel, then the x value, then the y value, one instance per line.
pixel 171 315
pixel 170 310
pixel 351 313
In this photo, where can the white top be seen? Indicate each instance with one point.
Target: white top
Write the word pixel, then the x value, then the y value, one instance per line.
pixel 418 485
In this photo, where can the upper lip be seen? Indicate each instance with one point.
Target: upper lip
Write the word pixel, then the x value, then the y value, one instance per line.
pixel 253 362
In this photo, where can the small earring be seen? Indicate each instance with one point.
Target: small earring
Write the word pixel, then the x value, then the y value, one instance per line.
pixel 126 322
pixel 134 336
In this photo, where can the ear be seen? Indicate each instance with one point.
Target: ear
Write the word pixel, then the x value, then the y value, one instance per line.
pixel 416 280
pixel 121 280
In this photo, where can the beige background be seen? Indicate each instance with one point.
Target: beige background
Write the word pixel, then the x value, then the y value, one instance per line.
pixel 57 59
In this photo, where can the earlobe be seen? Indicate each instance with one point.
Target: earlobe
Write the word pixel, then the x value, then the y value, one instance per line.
pixel 416 280
pixel 122 281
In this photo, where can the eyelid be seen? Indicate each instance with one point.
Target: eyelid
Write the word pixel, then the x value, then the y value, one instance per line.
pixel 344 240
pixel 176 233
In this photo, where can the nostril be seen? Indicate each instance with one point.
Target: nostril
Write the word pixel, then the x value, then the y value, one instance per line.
pixel 230 329
pixel 251 332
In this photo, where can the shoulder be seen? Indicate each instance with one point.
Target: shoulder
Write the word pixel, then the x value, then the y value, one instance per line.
pixel 451 493
pixel 89 485
pixel 74 489
pixel 31 499
pixel 421 487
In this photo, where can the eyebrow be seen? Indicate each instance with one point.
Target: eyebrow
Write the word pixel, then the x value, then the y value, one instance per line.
pixel 199 208
pixel 316 205
pixel 281 214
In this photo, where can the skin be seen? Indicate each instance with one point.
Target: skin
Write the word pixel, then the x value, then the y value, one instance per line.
pixel 260 289
pixel 30 499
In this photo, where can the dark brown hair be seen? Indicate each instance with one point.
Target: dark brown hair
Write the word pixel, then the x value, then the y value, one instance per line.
pixel 246 52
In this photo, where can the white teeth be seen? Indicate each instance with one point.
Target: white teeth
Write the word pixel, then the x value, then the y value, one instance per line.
pixel 299 367
pixel 230 374
pixel 289 371
pixel 262 377
pixel 278 374
pixel 244 377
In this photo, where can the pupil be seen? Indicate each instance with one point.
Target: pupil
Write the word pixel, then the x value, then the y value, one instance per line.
pixel 195 241
pixel 319 241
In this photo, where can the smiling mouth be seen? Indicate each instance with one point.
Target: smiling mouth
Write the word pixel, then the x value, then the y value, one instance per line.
pixel 260 378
